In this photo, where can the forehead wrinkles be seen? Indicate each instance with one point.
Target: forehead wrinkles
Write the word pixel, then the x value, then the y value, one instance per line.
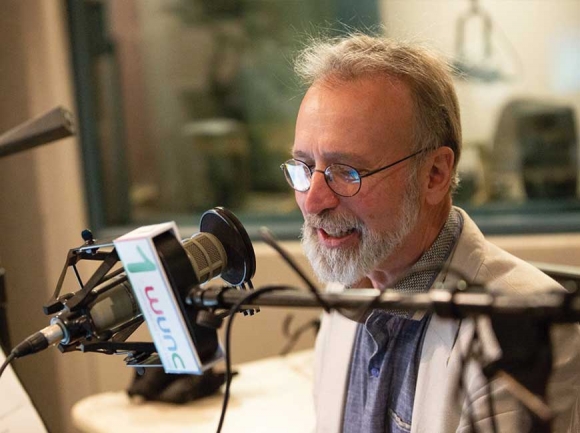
pixel 357 122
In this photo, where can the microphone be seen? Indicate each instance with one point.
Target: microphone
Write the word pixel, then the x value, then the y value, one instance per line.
pixel 221 248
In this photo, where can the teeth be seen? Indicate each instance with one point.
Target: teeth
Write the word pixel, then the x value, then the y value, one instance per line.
pixel 338 233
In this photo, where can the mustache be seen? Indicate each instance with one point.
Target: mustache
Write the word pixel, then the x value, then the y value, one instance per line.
pixel 332 221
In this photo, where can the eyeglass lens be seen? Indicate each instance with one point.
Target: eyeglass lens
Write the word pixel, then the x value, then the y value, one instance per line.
pixel 342 179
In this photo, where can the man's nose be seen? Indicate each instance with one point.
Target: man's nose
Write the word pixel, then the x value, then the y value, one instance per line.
pixel 319 196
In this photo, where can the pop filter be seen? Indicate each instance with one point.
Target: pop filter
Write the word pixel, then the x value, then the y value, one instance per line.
pixel 241 260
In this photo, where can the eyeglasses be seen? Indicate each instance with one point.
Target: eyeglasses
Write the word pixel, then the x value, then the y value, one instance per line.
pixel 342 179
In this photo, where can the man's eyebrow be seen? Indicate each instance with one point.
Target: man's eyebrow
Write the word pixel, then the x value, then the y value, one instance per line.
pixel 354 159
pixel 298 154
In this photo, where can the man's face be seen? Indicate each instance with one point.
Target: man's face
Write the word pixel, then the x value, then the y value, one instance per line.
pixel 366 124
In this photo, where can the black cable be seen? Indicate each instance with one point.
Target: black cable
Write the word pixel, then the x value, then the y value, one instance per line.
pixel 487 383
pixel 488 388
pixel 235 308
pixel 462 384
pixel 490 407
pixel 293 337
pixel 7 361
pixel 268 237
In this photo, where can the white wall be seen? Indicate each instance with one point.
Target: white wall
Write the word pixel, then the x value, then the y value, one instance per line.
pixel 43 211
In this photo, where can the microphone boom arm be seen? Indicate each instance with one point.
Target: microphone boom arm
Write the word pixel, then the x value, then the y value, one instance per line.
pixel 556 306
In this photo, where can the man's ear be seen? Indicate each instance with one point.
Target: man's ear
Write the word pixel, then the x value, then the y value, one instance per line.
pixel 440 169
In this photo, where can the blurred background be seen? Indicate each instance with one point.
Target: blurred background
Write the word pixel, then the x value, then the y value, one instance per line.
pixel 183 105
pixel 188 103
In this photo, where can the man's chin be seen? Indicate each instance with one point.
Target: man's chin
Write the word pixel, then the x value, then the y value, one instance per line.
pixel 331 262
pixel 332 268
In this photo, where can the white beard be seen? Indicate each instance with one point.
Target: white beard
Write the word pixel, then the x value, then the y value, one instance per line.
pixel 349 265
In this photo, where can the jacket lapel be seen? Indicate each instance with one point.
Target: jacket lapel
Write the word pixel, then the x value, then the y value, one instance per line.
pixel 334 352
pixel 445 341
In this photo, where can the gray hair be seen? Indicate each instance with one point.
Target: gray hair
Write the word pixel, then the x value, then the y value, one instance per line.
pixel 437 120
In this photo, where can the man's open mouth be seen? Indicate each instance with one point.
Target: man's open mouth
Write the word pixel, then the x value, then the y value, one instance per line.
pixel 337 233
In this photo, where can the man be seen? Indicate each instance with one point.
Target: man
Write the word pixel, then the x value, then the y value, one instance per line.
pixel 374 164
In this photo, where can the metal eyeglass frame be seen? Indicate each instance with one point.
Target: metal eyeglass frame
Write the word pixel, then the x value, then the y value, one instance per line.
pixel 327 174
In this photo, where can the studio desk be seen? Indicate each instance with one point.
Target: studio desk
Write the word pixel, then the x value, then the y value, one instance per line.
pixel 271 395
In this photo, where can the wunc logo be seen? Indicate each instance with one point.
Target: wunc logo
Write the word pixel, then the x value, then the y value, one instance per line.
pixel 154 306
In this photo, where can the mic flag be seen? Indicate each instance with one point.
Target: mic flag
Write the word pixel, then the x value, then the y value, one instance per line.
pixel 162 273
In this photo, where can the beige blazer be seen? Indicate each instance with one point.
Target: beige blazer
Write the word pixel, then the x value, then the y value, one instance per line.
pixel 437 407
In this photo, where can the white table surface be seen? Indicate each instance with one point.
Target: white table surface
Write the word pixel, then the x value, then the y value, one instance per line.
pixel 269 395
pixel 17 414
